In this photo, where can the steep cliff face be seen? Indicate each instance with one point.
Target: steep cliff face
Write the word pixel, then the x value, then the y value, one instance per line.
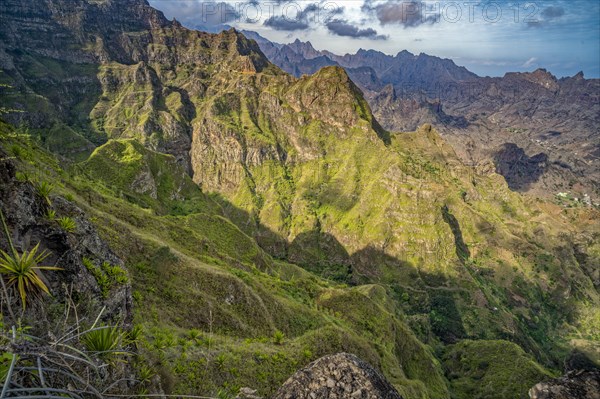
pixel 77 30
pixel 113 69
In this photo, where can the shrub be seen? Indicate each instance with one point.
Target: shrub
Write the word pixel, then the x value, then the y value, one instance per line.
pixel 115 272
pixel 106 275
pixel 23 177
pixel 194 334
pixel 16 151
pixel 134 335
pixel 101 278
pixel 278 337
pixel 54 367
pixel 145 373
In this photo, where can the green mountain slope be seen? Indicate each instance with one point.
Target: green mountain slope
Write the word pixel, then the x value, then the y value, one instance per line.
pixel 267 220
pixel 210 300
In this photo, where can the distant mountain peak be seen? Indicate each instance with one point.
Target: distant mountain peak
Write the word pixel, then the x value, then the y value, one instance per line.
pixel 405 52
pixel 541 77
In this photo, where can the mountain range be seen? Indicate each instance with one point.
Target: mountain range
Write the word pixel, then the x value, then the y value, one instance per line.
pixel 540 132
pixel 240 230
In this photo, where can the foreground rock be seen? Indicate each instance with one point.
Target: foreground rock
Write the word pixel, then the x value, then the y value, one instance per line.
pixel 337 376
pixel 574 385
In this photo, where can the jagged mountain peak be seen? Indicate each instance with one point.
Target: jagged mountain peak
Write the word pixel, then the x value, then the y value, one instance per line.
pixel 404 53
pixel 403 69
pixel 540 77
pixel 305 49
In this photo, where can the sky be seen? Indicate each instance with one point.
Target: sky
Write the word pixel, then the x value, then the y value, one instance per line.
pixel 488 37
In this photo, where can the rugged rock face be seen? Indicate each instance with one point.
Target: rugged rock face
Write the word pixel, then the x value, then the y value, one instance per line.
pixel 338 376
pixel 32 25
pixel 408 114
pixel 574 385
pixel 26 217
pixel 108 70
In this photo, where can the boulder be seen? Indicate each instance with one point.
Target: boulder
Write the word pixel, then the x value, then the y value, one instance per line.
pixel 337 376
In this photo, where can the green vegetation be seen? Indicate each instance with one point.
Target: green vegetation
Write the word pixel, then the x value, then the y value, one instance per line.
pixel 292 227
pixel 102 341
pixel 90 355
pixel 21 270
pixel 107 275
pixel 51 215
pixel 67 223
pixel 44 189
pixel 491 369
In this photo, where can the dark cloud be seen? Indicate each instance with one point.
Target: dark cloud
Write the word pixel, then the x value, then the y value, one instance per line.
pixel 299 22
pixel 406 13
pixel 553 12
pixel 200 13
pixel 330 10
pixel 283 23
pixel 548 14
pixel 341 27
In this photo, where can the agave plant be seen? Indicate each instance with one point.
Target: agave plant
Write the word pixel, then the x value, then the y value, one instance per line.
pixel 22 271
pixel 44 189
pixel 103 341
pixel 51 215
pixel 67 224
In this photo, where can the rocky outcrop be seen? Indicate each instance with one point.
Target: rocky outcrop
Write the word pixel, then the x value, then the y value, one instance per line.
pixel 337 377
pixel 574 385
pixel 26 214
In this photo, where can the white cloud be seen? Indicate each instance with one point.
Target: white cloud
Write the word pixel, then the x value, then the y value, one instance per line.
pixel 530 62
